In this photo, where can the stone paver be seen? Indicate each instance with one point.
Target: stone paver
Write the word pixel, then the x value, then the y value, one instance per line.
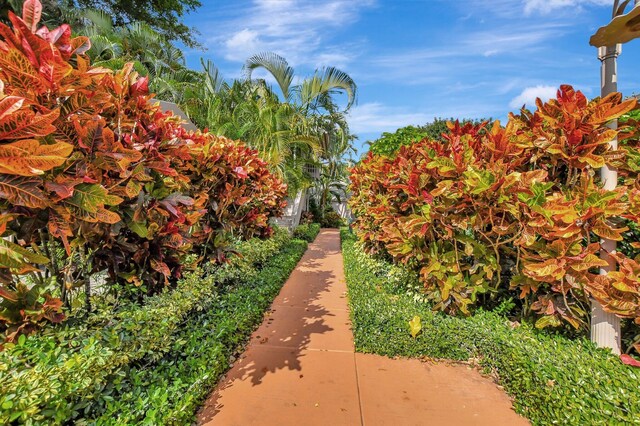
pixel 300 367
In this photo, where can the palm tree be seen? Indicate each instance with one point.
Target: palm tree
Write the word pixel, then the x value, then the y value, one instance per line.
pixel 334 164
pixel 250 111
pixel 314 96
pixel 313 91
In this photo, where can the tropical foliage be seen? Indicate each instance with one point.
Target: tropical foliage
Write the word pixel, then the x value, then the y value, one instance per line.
pixel 95 181
pixel 389 143
pixel 515 211
pixel 163 16
pixel 553 380
pixel 294 132
pixel 291 133
pixel 151 363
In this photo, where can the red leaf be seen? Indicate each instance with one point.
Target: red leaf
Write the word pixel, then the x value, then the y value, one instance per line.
pixel 140 87
pixel 629 360
pixel 31 13
pixel 242 174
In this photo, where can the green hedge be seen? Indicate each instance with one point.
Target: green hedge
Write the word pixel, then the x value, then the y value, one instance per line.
pixel 553 379
pixel 71 372
pixel 171 391
pixel 307 231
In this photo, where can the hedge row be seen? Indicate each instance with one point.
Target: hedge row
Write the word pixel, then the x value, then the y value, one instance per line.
pixel 95 180
pixel 73 371
pixel 493 212
pixel 554 380
pixel 203 349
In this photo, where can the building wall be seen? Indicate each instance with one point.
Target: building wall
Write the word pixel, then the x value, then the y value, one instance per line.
pixel 291 216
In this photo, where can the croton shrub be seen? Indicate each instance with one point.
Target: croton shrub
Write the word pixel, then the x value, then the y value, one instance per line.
pixel 518 210
pixel 94 179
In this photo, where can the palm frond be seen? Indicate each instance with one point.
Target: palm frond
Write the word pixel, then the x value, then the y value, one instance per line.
pixel 328 81
pixel 277 66
pixel 213 80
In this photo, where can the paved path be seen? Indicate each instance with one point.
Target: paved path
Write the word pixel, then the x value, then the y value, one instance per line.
pixel 300 368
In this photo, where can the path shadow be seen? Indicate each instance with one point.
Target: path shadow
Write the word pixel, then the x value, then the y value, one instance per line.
pixel 295 318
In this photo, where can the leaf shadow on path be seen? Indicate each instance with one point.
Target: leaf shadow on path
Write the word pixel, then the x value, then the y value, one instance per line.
pixel 300 319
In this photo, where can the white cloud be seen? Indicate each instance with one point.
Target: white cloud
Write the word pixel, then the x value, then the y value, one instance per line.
pixel 547 6
pixel 465 56
pixel 243 40
pixel 275 4
pixel 529 95
pixel 334 58
pixel 295 29
pixel 374 117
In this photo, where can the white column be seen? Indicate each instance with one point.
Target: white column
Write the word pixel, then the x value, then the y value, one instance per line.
pixel 605 327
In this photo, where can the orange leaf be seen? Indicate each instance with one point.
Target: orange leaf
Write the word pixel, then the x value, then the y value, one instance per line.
pixel 28 157
pixel 604 113
pixel 25 124
pixel 589 261
pixel 607 232
pixel 23 191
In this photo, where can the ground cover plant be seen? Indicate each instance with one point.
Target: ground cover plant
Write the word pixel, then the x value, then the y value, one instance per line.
pixel 146 363
pixel 553 379
pixel 492 213
pixel 96 181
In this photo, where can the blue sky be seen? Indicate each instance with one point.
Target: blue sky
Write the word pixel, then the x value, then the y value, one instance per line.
pixel 414 60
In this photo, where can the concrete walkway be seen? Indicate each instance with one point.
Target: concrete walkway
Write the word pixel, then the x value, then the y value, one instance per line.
pixel 300 367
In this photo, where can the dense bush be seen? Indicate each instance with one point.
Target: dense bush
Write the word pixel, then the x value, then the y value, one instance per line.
pixel 494 212
pixel 76 370
pixel 389 143
pixel 331 219
pixel 307 218
pixel 554 380
pixel 307 231
pixel 95 180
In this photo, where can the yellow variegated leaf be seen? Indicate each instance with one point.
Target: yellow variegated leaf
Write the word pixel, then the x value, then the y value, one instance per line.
pixel 623 286
pixel 608 232
pixel 595 161
pixel 15 257
pixel 556 149
pixel 28 157
pixel 547 321
pixel 548 270
pixel 589 261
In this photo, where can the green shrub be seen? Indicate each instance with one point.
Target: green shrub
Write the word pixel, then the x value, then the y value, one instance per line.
pixel 553 379
pixel 170 391
pixel 389 143
pixel 307 232
pixel 61 373
pixel 331 220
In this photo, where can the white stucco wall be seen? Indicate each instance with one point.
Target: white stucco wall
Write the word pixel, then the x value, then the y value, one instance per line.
pixel 293 211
